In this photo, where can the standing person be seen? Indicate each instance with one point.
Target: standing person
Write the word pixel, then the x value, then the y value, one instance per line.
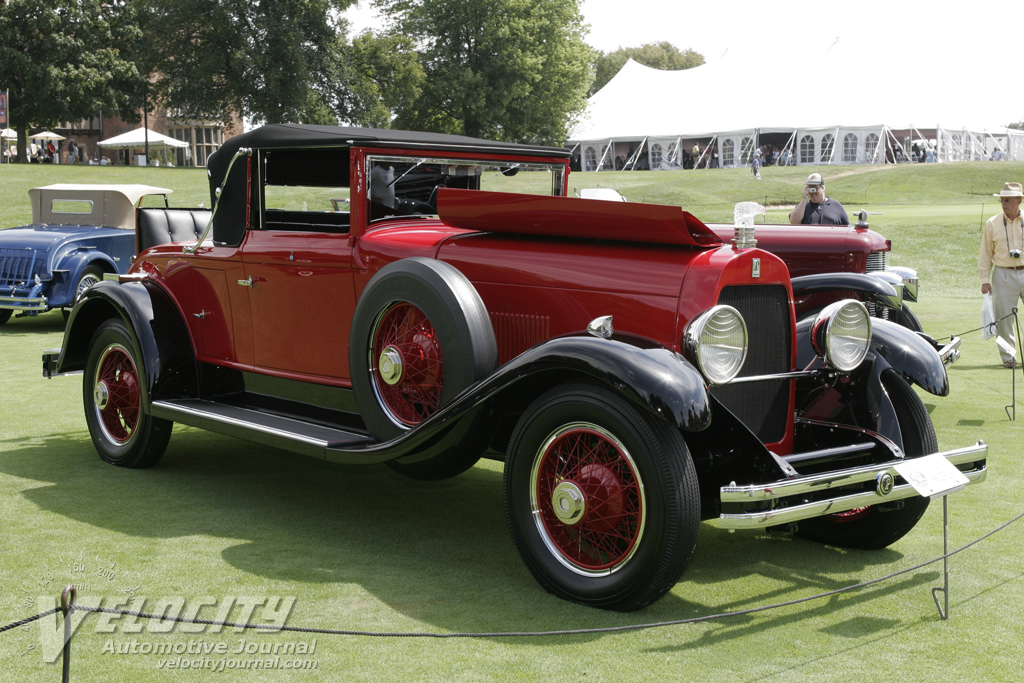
pixel 755 164
pixel 1001 265
pixel 817 209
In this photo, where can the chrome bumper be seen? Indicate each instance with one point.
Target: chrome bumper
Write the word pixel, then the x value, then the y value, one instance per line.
pixel 24 303
pixel 790 500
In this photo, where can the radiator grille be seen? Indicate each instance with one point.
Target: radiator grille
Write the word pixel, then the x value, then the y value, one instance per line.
pixel 762 406
pixel 19 266
pixel 877 261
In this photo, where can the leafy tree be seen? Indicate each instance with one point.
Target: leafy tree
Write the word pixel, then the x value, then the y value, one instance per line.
pixel 663 55
pixel 268 61
pixel 64 60
pixel 1017 126
pixel 505 69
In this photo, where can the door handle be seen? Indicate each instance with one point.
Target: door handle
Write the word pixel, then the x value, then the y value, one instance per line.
pixel 246 282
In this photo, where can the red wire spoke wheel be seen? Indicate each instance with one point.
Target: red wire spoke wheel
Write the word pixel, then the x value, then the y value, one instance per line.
pixel 114 395
pixel 409 374
pixel 588 499
pixel 601 497
pixel 117 395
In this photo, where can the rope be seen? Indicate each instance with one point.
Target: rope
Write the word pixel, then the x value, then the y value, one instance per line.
pixel 526 634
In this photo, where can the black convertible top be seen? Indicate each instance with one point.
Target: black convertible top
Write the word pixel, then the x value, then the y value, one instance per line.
pixel 289 135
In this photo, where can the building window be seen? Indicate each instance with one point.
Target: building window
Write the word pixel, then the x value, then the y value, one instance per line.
pixel 850 149
pixel 590 156
pixel 828 144
pixel 728 147
pixel 807 150
pixel 870 147
pixel 203 140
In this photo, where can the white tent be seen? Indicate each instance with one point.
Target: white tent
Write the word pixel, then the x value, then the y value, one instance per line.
pixel 828 106
pixel 136 139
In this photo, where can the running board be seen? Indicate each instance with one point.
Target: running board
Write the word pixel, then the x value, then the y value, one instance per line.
pixel 287 433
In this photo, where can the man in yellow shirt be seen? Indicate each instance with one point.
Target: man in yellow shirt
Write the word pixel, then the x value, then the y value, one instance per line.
pixel 1001 264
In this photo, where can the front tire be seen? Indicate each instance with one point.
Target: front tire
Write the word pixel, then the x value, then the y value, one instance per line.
pixel 122 432
pixel 873 528
pixel 601 498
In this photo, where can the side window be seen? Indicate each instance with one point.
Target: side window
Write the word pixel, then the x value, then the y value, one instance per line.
pixel 828 143
pixel 746 150
pixel 591 157
pixel 850 148
pixel 306 190
pixel 870 147
pixel 807 150
pixel 728 146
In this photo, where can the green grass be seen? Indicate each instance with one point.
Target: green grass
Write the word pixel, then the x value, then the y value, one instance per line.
pixel 362 548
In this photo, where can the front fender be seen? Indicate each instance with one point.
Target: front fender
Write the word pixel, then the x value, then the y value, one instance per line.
pixel 67 272
pixel 155 325
pixel 867 287
pixel 906 352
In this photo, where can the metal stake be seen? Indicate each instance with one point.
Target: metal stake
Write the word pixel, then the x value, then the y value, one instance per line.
pixel 944 613
pixel 67 606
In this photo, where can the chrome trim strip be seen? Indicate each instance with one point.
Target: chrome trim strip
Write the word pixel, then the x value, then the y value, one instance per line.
pixel 23 303
pixel 825 481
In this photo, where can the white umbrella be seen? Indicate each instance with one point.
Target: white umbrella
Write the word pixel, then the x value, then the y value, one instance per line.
pixel 8 133
pixel 137 138
pixel 47 135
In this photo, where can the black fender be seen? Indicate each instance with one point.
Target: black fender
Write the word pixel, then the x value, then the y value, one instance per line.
pixel 155 325
pixel 657 380
pixel 869 288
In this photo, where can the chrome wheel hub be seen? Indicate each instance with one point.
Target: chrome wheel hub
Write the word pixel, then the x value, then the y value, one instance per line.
pixel 101 395
pixel 568 503
pixel 390 366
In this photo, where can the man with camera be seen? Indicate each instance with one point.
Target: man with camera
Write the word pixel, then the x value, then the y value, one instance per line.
pixel 817 209
pixel 1000 264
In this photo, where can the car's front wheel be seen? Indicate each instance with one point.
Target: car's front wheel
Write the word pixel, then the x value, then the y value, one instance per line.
pixel 122 432
pixel 875 526
pixel 601 498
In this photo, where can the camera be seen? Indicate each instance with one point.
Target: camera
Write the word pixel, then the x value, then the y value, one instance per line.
pixel 812 190
pixel 1015 253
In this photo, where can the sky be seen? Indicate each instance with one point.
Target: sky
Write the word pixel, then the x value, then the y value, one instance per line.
pixel 977 45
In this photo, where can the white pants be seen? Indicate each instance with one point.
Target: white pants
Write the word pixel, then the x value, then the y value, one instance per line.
pixel 1007 289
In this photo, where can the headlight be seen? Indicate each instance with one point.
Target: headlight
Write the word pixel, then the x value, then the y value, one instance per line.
pixel 841 334
pixel 716 341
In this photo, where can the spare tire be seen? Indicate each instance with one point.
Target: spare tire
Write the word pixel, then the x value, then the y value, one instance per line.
pixel 420 335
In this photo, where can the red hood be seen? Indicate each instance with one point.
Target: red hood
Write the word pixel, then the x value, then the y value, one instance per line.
pixel 572 217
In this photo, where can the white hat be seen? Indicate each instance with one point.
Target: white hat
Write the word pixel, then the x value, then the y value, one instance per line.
pixel 814 179
pixel 1010 190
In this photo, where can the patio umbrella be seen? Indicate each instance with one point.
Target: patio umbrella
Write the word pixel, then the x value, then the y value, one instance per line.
pixel 47 135
pixel 137 138
pixel 8 133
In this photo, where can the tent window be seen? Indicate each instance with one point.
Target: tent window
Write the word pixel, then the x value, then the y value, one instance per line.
pixel 727 152
pixel 850 148
pixel 655 155
pixel 746 150
pixel 870 147
pixel 828 144
pixel 673 152
pixel 591 157
pixel 807 150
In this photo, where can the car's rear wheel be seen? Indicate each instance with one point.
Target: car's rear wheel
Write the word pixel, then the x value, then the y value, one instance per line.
pixel 875 527
pixel 122 432
pixel 90 276
pixel 420 336
pixel 601 498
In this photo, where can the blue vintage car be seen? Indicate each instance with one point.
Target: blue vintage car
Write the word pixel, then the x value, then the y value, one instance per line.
pixel 78 233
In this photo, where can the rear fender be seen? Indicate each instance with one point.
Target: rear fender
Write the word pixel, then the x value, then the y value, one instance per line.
pixel 155 325
pixel 68 272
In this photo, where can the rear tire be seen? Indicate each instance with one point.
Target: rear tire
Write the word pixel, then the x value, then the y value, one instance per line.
pixel 122 432
pixel 873 528
pixel 601 498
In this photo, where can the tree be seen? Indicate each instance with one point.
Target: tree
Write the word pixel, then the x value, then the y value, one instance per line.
pixel 268 61
pixel 1017 126
pixel 504 69
pixel 65 60
pixel 663 55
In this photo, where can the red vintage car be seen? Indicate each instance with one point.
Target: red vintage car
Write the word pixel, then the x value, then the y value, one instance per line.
pixel 377 296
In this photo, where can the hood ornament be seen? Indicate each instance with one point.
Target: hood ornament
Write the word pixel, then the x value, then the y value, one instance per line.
pixel 743 222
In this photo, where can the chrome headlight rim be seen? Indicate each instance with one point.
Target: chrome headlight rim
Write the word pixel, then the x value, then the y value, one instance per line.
pixel 718 363
pixel 841 334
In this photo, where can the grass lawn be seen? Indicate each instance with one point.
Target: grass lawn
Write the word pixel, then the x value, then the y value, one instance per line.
pixel 364 549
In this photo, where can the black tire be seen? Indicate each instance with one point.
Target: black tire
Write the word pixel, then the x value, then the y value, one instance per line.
pixel 90 276
pixel 420 336
pixel 906 317
pixel 637 525
pixel 5 315
pixel 122 432
pixel 873 528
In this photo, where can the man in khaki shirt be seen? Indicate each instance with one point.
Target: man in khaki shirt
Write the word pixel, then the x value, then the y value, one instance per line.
pixel 1002 245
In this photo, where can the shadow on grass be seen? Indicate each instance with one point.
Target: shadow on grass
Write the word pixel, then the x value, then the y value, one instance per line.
pixel 435 552
pixel 51 321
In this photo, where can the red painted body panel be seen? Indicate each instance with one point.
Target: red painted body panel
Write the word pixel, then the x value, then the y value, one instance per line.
pixel 810 249
pixel 572 217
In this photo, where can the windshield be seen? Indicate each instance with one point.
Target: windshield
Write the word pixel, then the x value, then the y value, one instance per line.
pixel 408 186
